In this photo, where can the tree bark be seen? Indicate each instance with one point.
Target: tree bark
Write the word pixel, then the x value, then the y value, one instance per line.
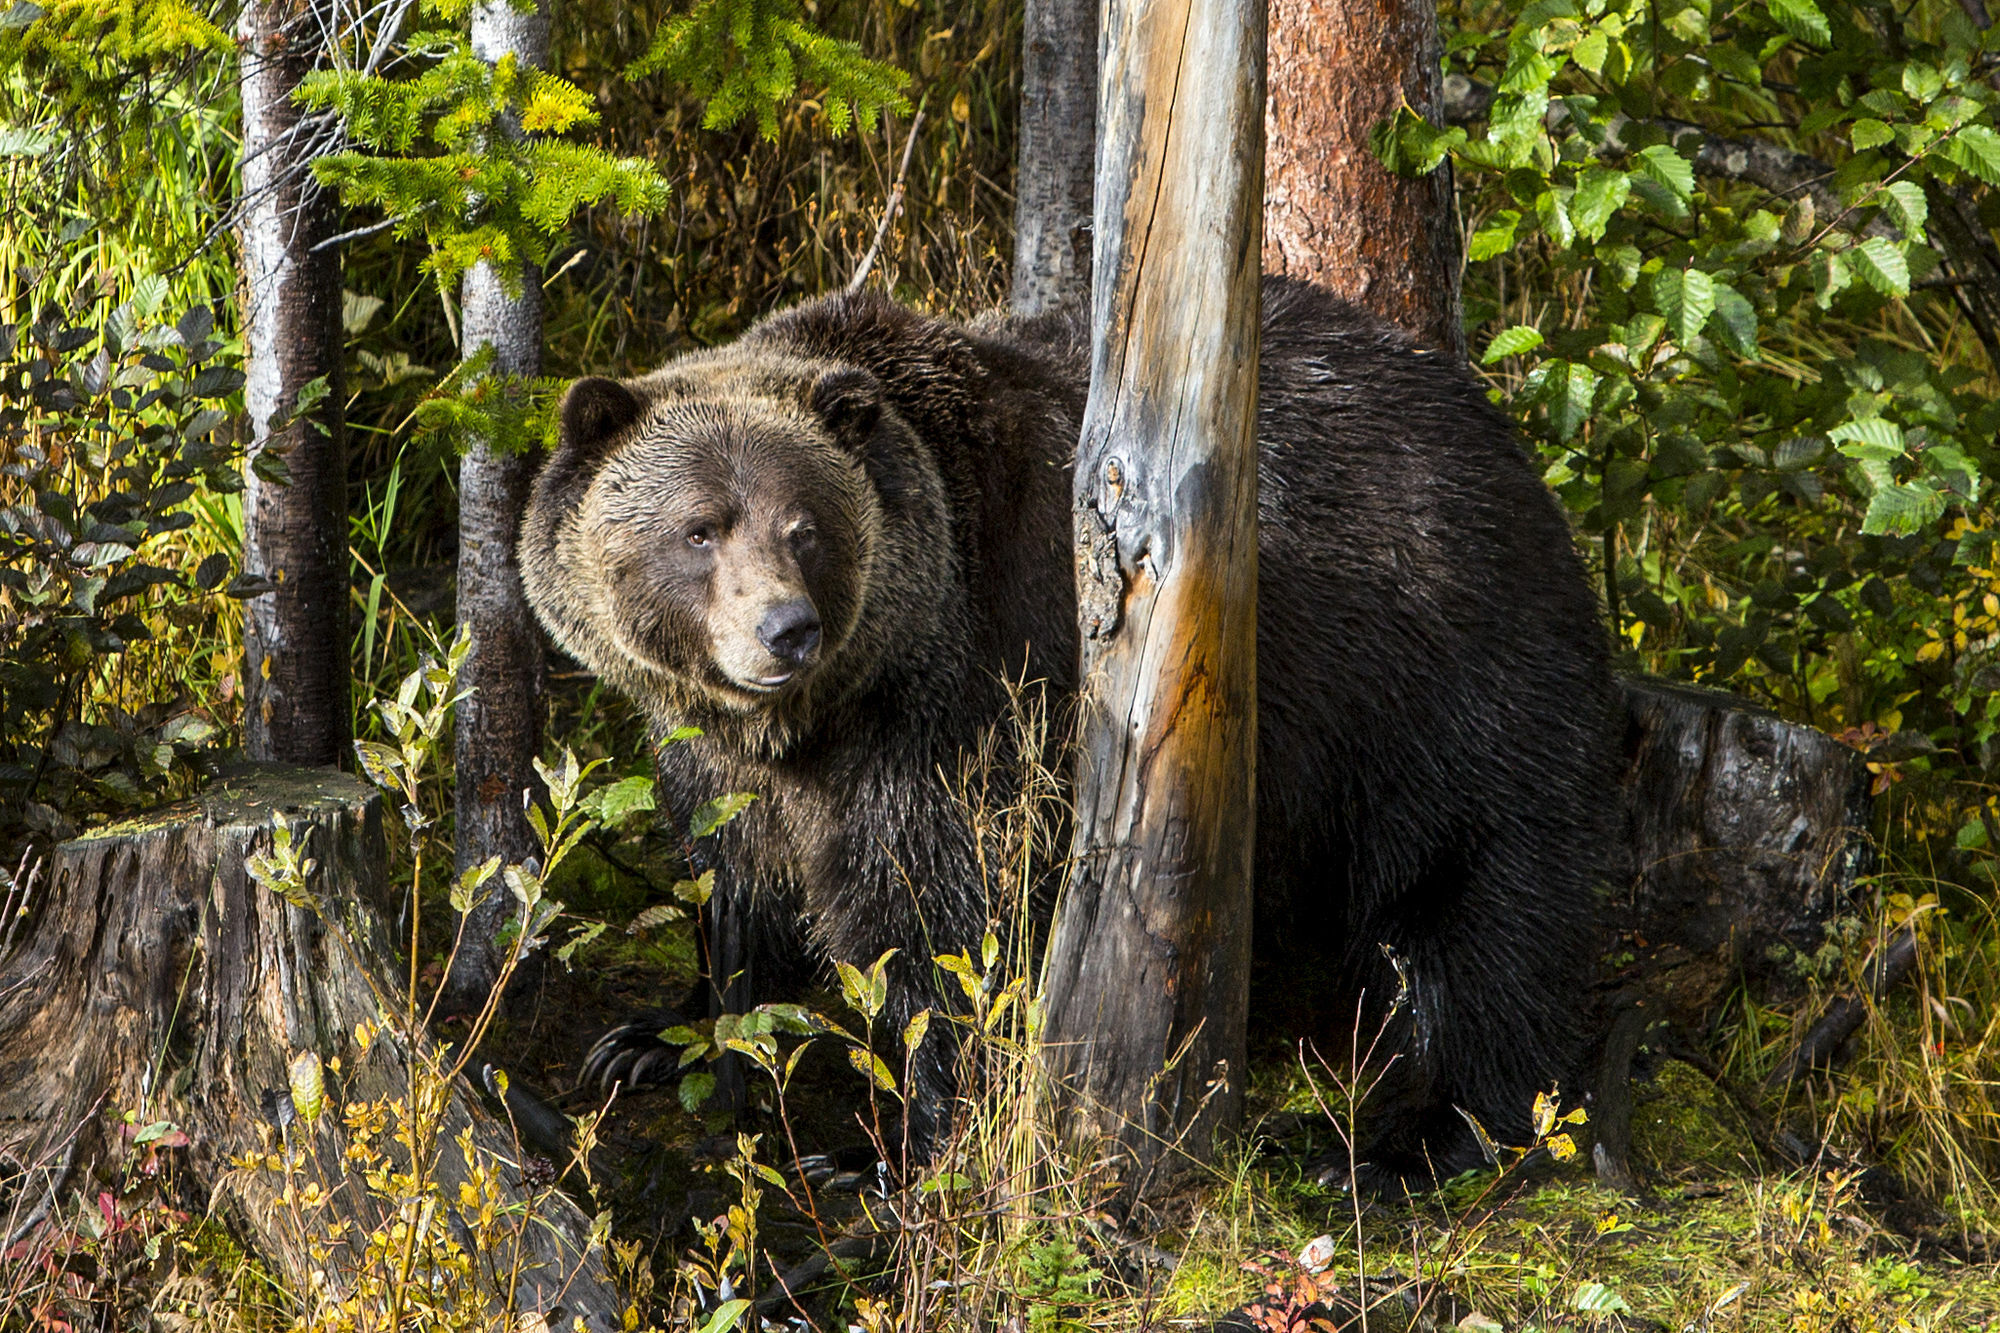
pixel 1333 214
pixel 1148 973
pixel 295 656
pixel 1058 155
pixel 154 975
pixel 499 729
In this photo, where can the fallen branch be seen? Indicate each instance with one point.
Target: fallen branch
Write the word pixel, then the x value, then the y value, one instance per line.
pixel 1822 1042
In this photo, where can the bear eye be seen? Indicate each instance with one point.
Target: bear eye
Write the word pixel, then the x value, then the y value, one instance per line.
pixel 701 536
pixel 805 537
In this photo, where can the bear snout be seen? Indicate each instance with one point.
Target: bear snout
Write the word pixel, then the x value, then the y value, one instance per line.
pixel 790 631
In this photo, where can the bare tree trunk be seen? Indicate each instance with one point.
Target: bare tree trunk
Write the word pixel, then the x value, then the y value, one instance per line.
pixel 295 656
pixel 1057 155
pixel 1333 214
pixel 500 726
pixel 151 974
pixel 1149 965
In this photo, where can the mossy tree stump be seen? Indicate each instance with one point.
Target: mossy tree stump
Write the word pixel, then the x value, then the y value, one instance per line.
pixel 154 975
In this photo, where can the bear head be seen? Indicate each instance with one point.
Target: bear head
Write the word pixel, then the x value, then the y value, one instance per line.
pixel 704 537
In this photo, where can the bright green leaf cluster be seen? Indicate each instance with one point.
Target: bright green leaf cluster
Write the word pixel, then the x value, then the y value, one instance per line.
pixel 749 57
pixel 1761 374
pixel 84 50
pixel 488 194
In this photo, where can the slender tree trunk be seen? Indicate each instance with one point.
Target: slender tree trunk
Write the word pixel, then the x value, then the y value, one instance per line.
pixel 1149 966
pixel 499 729
pixel 1333 214
pixel 295 659
pixel 1058 155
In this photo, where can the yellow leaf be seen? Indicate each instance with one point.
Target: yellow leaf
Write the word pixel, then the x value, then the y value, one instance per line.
pixel 870 1064
pixel 1931 651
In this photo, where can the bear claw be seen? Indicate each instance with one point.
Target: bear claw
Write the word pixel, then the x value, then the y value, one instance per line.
pixel 632 1054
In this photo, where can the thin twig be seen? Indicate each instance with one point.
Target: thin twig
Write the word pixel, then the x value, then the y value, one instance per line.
pixel 19 890
pixel 354 235
pixel 889 213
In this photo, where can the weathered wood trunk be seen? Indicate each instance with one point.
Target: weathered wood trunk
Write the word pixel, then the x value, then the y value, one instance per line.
pixel 295 667
pixel 1745 832
pixel 1333 214
pixel 155 976
pixel 1057 157
pixel 499 728
pixel 1148 973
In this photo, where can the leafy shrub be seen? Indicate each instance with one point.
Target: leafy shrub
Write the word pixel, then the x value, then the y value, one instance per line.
pixel 1731 271
pixel 107 432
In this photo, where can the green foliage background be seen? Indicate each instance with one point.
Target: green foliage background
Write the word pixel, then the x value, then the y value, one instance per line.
pixel 1731 266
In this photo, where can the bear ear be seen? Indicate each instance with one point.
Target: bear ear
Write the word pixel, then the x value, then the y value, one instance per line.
pixel 849 400
pixel 594 410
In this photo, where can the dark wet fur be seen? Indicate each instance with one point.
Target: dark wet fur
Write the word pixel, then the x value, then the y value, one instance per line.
pixel 1435 746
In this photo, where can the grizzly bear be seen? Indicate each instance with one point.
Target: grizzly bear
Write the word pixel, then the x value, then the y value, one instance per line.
pixel 829 544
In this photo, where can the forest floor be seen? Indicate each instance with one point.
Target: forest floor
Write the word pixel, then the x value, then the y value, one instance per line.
pixel 1725 1232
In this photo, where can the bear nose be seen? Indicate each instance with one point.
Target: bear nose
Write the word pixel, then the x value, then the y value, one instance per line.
pixel 790 631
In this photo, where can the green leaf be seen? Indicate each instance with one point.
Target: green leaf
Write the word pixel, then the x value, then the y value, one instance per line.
pixel 1512 342
pixel 1590 52
pixel 1906 206
pixel 696 1089
pixel 1737 319
pixel 1597 1298
pixel 696 890
pixel 1977 149
pixel 727 1315
pixel 1600 193
pixel 1572 389
pixel 1551 209
pixel 1831 276
pixel 1869 133
pixel 307 1085
pixel 22 141
pixel 465 893
pixel 1686 299
pixel 1496 237
pixel 1409 145
pixel 1801 19
pixel 612 806
pixel 1902 509
pixel 714 814
pixel 1881 264
pixel 1871 437
pixel 1669 168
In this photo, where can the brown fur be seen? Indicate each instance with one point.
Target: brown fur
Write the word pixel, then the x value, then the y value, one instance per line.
pixel 1434 731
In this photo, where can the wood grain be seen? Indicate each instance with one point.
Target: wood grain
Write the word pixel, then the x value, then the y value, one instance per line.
pixel 1149 963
